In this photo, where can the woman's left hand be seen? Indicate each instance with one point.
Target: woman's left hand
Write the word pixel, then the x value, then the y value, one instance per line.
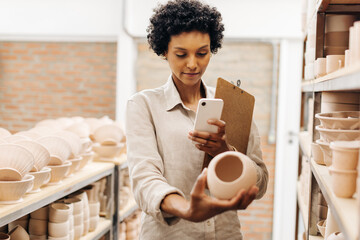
pixel 211 143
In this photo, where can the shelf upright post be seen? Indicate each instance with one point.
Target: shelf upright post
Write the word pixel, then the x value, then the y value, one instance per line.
pixel 116 201
pixel 320 35
pixel 313 201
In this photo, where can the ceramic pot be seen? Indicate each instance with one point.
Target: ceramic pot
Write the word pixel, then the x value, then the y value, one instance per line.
pixel 4 236
pixel 41 178
pixel 345 154
pixel 19 233
pixel 58 229
pixel 78 231
pixel 38 237
pixel 334 62
pixel 94 208
pixel 229 172
pixel 94 221
pixel 343 182
pixel 59 238
pixel 336 236
pixel 38 227
pixel 317 153
pixel 347 58
pixel 59 212
pixel 41 213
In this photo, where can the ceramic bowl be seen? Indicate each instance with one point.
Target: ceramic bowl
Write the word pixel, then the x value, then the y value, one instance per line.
pixel 93 222
pixel 81 129
pixel 325 147
pixel 336 236
pixel 229 172
pixel 59 149
pixel 12 191
pixel 317 153
pixel 330 135
pixel 108 134
pixel 19 233
pixel 86 158
pixel 40 153
pixel 73 140
pixel 41 178
pixel 15 162
pixel 58 172
pixel 65 122
pixel 340 120
pixel 75 165
pixel 86 144
pixel 29 134
pixel 4 236
pixel 4 133
pixel 15 138
pixel 77 204
pixel 345 154
pixel 58 229
pixel 343 182
pixel 107 152
pixel 59 212
pixel 41 213
pixel 321 225
pixel 38 227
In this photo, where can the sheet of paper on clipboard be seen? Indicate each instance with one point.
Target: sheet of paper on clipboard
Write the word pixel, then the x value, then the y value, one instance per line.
pixel 237 113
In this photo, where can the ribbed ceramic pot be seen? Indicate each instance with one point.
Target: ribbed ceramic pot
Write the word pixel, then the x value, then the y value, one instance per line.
pixel 229 172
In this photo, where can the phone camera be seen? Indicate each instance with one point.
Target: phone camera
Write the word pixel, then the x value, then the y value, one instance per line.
pixel 203 103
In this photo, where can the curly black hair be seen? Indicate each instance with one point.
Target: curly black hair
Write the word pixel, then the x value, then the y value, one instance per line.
pixel 179 16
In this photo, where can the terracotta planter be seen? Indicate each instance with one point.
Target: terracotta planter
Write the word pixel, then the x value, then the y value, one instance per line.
pixel 345 154
pixel 229 172
pixel 343 182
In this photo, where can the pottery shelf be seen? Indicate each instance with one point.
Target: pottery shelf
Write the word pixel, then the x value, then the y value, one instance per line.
pixel 103 227
pixel 128 210
pixel 50 193
pixel 344 209
pixel 341 80
pixel 304 209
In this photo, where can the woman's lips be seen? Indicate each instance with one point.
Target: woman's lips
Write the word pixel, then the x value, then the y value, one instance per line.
pixel 191 74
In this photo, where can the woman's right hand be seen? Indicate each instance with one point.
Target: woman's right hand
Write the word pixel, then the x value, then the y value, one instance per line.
pixel 202 207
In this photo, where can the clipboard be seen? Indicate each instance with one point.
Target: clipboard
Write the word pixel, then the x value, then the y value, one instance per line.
pixel 237 113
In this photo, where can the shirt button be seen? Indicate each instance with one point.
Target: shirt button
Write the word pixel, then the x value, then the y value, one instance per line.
pixel 208 223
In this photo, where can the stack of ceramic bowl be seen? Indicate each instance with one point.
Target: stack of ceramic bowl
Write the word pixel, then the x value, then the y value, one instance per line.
pixel 59 221
pixel 86 211
pixel 78 216
pixel 92 192
pixel 338 101
pixel 15 164
pixel 337 33
pixel 60 151
pixel 345 157
pixel 23 222
pixel 41 155
pixel 108 141
pixel 38 223
pixel 337 126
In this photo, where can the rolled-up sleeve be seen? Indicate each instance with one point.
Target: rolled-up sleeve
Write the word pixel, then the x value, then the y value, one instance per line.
pixel 254 153
pixel 146 166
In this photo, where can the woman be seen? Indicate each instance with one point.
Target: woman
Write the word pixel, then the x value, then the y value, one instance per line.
pixel 165 156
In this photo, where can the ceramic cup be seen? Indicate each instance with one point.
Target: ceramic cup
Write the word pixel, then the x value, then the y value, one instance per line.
pixel 343 182
pixel 59 212
pixel 38 227
pixel 58 229
pixel 345 154
pixel 41 213
pixel 229 172
pixel 334 63
pixel 320 67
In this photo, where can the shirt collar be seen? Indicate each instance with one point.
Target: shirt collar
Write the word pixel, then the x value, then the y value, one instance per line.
pixel 172 95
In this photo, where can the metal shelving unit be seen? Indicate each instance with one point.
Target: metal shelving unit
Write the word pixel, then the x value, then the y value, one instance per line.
pixel 104 226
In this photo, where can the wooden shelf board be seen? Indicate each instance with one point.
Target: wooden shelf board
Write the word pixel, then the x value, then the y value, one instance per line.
pixel 302 206
pixel 341 80
pixel 345 210
pixel 50 193
pixel 103 227
pixel 118 161
pixel 129 209
pixel 315 237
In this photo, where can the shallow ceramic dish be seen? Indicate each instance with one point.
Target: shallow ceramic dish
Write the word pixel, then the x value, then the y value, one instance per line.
pixel 330 135
pixel 108 152
pixel 59 149
pixel 40 153
pixel 349 120
pixel 58 172
pixel 15 162
pixel 229 172
pixel 12 191
pixel 41 178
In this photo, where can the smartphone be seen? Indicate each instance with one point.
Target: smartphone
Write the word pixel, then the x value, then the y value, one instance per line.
pixel 208 108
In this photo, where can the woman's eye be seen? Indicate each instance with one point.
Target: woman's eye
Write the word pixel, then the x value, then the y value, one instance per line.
pixel 202 54
pixel 181 55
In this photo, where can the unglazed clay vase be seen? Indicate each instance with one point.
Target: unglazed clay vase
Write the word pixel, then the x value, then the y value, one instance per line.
pixel 229 172
pixel 345 154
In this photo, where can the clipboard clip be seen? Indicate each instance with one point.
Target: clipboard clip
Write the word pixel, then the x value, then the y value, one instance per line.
pixel 238 83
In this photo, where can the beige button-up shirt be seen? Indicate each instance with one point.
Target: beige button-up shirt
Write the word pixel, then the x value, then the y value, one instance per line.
pixel 162 160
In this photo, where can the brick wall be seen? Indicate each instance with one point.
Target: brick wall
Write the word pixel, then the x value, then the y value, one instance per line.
pixel 252 63
pixel 41 80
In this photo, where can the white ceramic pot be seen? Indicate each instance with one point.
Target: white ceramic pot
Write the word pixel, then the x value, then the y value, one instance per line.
pixel 59 212
pixel 320 67
pixel 12 191
pixel 229 172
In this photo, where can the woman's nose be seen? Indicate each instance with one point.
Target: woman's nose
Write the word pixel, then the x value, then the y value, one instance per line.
pixel 192 64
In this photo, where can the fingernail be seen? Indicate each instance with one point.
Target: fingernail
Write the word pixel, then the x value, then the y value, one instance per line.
pixel 210 121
